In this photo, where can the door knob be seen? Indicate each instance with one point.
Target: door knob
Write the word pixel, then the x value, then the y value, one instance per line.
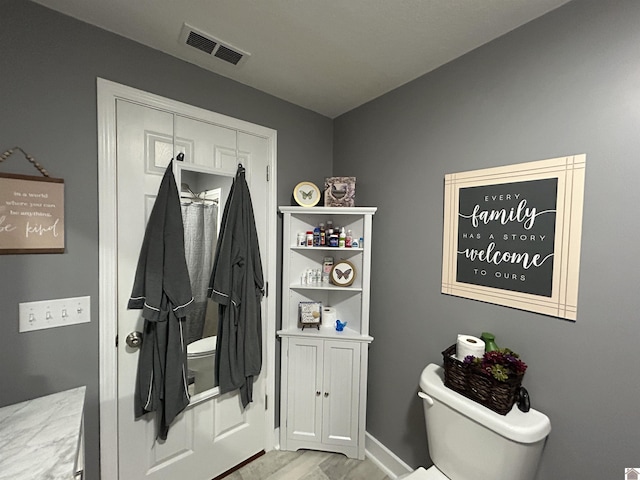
pixel 134 339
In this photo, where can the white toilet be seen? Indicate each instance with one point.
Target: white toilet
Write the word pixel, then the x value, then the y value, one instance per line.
pixel 200 362
pixel 467 441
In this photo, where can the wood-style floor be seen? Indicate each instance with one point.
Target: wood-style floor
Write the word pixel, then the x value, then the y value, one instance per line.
pixel 307 465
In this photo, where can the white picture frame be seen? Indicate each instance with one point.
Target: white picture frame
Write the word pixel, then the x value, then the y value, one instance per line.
pixel 512 235
pixel 306 194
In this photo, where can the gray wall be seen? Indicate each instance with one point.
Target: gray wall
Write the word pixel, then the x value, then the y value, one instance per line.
pixel 49 65
pixel 564 84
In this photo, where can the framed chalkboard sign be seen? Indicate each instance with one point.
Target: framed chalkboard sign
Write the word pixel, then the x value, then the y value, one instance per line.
pixel 512 235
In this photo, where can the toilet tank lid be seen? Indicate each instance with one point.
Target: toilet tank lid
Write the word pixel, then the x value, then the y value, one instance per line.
pixel 204 345
pixel 518 426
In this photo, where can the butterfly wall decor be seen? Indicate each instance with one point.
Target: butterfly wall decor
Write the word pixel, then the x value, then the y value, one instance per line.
pixel 306 194
pixel 343 273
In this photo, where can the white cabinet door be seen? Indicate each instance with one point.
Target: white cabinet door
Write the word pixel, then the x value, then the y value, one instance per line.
pixel 304 412
pixel 341 393
pixel 323 393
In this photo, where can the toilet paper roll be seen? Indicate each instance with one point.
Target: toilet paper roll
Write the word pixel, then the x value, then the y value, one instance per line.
pixel 469 345
pixel 329 315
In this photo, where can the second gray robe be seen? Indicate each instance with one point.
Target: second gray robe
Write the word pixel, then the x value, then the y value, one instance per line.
pixel 237 286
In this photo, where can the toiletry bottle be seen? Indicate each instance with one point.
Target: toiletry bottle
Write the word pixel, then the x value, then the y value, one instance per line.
pixel 342 239
pixel 302 239
pixel 323 237
pixel 327 266
pixel 489 341
pixel 309 238
pixel 316 236
pixel 348 241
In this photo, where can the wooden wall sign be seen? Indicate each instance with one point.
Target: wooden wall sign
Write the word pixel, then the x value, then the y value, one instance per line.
pixel 31 214
pixel 512 235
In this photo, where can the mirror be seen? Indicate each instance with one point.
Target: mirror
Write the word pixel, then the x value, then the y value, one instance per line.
pixel 202 198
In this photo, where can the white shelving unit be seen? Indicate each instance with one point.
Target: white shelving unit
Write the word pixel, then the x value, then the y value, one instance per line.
pixel 324 372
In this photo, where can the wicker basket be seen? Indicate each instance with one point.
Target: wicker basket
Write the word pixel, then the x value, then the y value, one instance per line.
pixel 469 381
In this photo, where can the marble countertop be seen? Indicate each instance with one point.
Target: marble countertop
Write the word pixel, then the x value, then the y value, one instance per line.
pixel 39 438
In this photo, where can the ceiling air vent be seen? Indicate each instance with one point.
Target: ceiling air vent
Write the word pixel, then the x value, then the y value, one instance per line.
pixel 212 46
pixel 228 55
pixel 201 43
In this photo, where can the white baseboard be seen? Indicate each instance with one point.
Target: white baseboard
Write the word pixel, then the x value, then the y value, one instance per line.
pixel 385 459
pixel 276 436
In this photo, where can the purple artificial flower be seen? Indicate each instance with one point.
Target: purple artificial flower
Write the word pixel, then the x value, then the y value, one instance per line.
pixel 501 364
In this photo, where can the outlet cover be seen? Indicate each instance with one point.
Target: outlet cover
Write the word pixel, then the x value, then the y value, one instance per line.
pixel 54 313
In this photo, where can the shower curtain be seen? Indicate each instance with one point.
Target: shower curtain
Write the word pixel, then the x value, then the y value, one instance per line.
pixel 200 238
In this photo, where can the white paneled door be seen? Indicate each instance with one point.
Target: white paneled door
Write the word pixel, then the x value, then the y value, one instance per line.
pixel 214 433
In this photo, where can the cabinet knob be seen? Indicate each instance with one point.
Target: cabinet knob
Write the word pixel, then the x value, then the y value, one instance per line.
pixel 317 393
pixel 326 394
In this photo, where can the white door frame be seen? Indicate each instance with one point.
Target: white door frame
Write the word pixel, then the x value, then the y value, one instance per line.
pixel 108 92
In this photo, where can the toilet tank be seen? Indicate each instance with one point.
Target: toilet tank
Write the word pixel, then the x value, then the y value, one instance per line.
pixel 467 441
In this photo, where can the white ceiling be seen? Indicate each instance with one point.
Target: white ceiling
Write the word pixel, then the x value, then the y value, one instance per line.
pixel 329 56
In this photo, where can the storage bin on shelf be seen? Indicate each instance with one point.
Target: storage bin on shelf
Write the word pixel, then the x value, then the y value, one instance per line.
pixel 468 380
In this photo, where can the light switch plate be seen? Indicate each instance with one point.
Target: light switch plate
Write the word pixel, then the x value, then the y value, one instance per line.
pixel 54 313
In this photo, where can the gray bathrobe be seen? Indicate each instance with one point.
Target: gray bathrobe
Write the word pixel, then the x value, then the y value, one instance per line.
pixel 162 290
pixel 237 286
